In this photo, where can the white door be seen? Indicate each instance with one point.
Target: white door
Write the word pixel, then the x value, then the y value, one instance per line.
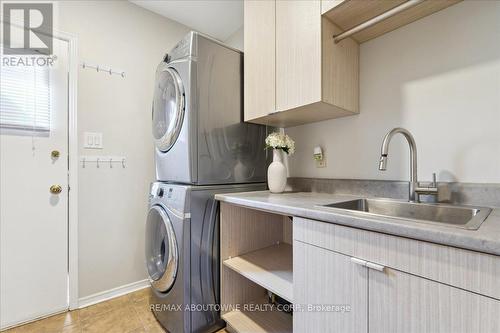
pixel 34 221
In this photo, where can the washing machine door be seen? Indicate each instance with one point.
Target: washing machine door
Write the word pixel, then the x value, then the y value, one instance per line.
pixel 168 107
pixel 162 258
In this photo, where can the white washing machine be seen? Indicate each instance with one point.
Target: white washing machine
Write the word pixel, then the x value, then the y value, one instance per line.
pixel 198 127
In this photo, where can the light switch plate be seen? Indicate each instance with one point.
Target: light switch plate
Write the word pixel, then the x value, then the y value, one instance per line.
pixel 92 140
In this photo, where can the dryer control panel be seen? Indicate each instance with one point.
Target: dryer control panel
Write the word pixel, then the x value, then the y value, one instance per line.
pixel 183 49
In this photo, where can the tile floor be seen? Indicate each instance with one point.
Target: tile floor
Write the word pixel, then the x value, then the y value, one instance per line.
pixel 125 314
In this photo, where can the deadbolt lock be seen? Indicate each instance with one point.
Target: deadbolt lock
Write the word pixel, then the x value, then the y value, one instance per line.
pixel 55 189
pixel 55 154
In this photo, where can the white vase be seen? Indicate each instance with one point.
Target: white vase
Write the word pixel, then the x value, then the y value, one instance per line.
pixel 276 173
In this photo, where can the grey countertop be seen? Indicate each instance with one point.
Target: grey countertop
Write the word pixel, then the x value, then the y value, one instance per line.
pixel 305 204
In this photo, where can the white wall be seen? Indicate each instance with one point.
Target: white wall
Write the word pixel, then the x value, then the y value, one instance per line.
pixel 236 39
pixel 113 202
pixel 439 77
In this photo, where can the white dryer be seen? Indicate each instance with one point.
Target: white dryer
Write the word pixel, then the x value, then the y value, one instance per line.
pixel 198 126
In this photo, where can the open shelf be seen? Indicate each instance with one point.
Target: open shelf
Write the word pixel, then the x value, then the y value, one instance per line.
pixel 270 267
pixel 350 13
pixel 259 321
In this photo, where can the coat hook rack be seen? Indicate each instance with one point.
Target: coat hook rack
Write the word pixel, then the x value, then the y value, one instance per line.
pixel 104 69
pixel 102 161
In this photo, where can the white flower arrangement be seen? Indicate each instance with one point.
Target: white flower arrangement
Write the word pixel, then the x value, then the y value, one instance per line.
pixel 280 141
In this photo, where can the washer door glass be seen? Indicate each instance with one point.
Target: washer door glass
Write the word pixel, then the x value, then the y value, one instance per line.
pixel 168 108
pixel 161 250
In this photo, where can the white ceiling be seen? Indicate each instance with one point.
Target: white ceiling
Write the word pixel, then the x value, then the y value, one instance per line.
pixel 217 18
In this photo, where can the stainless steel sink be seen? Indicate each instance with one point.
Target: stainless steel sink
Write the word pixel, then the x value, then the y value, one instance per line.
pixel 449 215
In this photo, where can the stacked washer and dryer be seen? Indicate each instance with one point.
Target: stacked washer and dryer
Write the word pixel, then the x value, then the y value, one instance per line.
pixel 202 148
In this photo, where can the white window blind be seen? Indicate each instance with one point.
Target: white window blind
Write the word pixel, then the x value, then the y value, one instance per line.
pixel 25 98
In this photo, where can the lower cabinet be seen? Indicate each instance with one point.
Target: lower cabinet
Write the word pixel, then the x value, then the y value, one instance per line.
pixel 334 292
pixel 401 302
pixel 330 292
pixel 346 280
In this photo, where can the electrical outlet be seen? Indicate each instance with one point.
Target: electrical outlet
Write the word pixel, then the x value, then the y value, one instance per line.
pixel 321 163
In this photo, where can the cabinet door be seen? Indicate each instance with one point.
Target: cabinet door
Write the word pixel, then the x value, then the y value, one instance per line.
pixel 298 53
pixel 401 302
pixel 260 56
pixel 324 278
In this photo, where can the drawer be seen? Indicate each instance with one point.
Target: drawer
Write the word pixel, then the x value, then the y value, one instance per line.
pixel 469 270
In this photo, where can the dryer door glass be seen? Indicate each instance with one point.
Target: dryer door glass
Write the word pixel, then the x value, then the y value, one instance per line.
pixel 161 250
pixel 168 108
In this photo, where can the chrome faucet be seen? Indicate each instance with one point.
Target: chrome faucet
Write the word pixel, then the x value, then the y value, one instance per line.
pixel 414 189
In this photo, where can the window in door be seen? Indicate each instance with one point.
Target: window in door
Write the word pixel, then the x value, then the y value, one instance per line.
pixel 25 98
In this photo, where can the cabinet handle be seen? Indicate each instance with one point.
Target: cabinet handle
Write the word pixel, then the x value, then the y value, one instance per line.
pixel 359 261
pixel 368 264
pixel 374 266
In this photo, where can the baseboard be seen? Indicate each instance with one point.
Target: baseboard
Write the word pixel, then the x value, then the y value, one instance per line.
pixel 112 293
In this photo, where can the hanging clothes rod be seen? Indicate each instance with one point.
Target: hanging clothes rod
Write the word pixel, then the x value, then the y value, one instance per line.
pixel 376 19
pixel 104 69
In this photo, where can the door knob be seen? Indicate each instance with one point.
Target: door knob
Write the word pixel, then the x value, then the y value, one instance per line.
pixel 55 189
pixel 54 154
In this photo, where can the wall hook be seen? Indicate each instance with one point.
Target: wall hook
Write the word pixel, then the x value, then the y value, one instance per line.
pixel 104 69
pixel 103 160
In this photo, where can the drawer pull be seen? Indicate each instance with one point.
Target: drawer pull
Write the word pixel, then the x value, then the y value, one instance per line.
pixel 368 264
pixel 359 261
pixel 376 267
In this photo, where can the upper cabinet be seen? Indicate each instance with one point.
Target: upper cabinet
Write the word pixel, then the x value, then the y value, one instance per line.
pixel 298 54
pixel 297 68
pixel 294 72
pixel 260 55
